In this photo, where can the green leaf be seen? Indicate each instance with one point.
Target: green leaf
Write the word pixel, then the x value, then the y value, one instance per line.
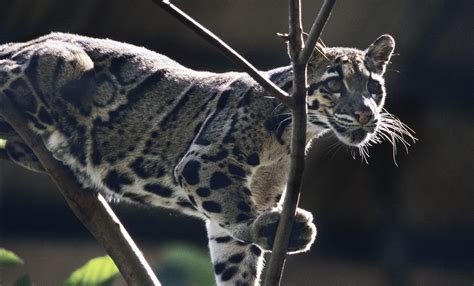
pixel 100 271
pixel 184 264
pixel 9 259
pixel 24 280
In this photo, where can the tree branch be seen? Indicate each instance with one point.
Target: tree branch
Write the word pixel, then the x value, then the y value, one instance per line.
pixel 316 30
pixel 298 143
pixel 88 206
pixel 299 59
pixel 235 57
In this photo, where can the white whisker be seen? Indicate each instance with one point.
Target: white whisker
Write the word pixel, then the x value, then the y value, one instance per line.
pixel 391 129
pixel 283 121
pixel 276 107
pixel 285 113
pixel 394 131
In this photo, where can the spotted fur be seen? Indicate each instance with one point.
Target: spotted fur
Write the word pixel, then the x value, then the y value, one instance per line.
pixel 140 127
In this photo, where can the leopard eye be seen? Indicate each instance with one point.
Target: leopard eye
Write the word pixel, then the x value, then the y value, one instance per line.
pixel 334 85
pixel 374 87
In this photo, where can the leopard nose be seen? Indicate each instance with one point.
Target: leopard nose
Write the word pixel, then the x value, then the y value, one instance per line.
pixel 363 117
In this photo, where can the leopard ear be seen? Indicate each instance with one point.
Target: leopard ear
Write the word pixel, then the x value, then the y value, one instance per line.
pixel 379 52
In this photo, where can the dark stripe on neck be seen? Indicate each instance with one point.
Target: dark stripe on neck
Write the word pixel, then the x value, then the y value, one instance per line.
pixel 287 86
pixel 32 74
pixel 221 104
pixel 172 115
pixel 279 74
pixel 246 98
pixel 277 125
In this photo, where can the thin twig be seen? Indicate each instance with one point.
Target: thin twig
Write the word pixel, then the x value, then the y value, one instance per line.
pixel 88 206
pixel 316 30
pixel 269 86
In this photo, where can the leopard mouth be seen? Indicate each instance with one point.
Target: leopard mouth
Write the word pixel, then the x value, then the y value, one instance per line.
pixel 358 136
pixel 353 136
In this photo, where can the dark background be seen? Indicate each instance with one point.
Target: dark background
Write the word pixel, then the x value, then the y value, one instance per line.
pixel 378 224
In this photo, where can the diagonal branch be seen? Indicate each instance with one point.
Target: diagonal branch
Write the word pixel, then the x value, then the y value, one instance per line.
pixel 88 206
pixel 226 50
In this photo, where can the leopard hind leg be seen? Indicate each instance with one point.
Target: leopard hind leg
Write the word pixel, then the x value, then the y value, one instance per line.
pixel 34 81
pixel 12 85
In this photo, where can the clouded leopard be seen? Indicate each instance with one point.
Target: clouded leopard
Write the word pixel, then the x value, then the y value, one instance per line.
pixel 141 127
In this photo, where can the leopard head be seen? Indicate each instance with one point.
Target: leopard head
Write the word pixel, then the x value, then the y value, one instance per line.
pixel 347 93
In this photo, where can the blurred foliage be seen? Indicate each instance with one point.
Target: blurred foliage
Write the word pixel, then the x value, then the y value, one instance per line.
pixel 24 280
pixel 185 265
pixel 9 259
pixel 100 271
pixel 180 265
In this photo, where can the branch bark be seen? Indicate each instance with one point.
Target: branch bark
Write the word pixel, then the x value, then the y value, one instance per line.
pixel 88 206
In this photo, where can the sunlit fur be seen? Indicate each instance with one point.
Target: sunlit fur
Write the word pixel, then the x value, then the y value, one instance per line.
pixel 359 74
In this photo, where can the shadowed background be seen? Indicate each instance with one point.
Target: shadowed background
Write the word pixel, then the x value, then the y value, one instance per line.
pixel 378 224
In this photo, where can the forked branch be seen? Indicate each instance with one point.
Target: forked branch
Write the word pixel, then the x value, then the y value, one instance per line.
pixel 300 55
pixel 88 206
pixel 298 142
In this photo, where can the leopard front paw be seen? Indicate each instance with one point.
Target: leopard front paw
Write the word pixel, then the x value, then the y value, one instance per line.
pixel 302 236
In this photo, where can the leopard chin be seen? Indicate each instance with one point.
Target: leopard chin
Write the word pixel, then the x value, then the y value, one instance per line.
pixel 355 137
